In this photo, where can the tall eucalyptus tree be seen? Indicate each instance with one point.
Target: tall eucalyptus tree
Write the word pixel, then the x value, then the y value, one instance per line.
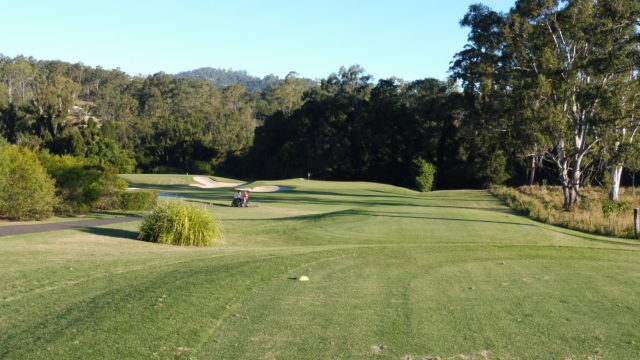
pixel 558 66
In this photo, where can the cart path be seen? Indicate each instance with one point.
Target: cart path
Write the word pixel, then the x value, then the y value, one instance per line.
pixel 38 228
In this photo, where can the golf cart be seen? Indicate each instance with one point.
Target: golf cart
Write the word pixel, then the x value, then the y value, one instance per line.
pixel 239 199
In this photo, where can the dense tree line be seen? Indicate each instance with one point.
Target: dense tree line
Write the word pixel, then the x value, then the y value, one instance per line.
pixel 351 129
pixel 344 128
pixel 548 90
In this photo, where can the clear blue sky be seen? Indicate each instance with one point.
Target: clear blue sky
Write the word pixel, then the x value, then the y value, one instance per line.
pixel 409 39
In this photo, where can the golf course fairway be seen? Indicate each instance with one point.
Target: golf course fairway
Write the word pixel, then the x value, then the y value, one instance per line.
pixel 393 274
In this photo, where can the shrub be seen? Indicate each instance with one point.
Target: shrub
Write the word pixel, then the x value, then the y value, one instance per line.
pixel 26 190
pixel 426 173
pixel 180 224
pixel 139 200
pixel 110 196
pixel 609 207
pixel 83 184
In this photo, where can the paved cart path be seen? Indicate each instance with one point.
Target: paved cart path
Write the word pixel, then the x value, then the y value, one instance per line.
pixel 37 228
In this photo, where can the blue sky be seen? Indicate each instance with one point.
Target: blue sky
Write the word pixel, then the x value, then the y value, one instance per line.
pixel 409 39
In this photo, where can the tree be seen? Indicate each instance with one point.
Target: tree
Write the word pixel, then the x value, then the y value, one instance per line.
pixel 52 102
pixel 425 174
pixel 285 96
pixel 107 152
pixel 114 104
pixel 619 138
pixel 560 61
pixel 18 76
pixel 26 190
pixel 632 163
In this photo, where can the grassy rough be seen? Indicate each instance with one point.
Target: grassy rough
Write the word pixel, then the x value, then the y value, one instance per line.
pixel 180 224
pixel 544 203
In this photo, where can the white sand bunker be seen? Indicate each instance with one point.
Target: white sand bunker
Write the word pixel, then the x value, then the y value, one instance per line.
pixel 265 189
pixel 209 183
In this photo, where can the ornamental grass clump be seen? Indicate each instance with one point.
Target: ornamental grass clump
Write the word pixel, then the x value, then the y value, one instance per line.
pixel 180 224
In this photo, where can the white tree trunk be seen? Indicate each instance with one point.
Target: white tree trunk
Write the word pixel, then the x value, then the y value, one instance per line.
pixel 10 89
pixel 616 175
pixel 615 169
pixel 532 170
pixel 570 171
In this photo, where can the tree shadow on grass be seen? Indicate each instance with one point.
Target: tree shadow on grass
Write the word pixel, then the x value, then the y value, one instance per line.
pixel 116 233
pixel 371 203
pixel 119 213
pixel 389 214
pixel 206 203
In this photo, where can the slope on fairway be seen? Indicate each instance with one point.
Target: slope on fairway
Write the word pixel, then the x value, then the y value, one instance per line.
pixel 394 274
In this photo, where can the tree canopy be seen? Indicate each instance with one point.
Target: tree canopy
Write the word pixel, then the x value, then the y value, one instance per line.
pixel 558 77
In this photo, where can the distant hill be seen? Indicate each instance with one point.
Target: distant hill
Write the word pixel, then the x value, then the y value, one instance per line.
pixel 221 78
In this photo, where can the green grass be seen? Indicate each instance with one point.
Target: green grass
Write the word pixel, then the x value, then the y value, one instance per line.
pixel 395 274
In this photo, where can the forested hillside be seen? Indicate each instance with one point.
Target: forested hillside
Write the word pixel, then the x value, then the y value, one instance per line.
pixel 156 123
pixel 221 78
pixel 545 92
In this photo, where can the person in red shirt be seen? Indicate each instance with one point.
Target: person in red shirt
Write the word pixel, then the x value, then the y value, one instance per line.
pixel 245 198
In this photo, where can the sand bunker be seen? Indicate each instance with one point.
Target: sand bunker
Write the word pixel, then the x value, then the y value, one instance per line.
pixel 269 188
pixel 208 183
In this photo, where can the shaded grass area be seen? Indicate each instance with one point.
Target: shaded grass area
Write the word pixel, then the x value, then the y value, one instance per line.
pixel 115 233
pixel 394 274
pixel 90 216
